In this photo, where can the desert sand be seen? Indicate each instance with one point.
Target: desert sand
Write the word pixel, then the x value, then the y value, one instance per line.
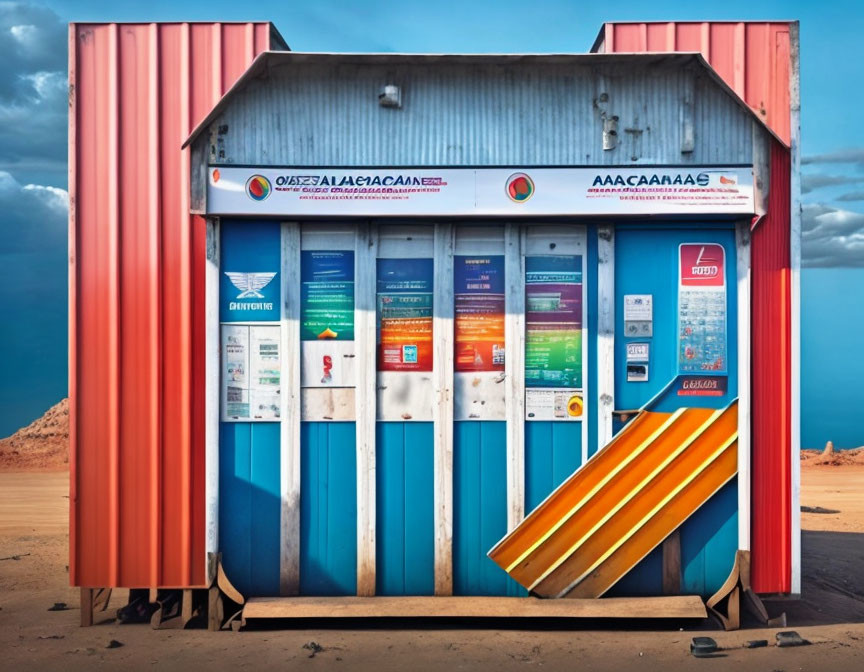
pixel 33 527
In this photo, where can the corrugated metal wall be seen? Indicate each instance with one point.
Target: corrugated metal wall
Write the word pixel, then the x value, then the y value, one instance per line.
pixel 771 366
pixel 455 113
pixel 753 57
pixel 136 305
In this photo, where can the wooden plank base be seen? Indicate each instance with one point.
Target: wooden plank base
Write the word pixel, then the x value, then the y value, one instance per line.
pixel 677 607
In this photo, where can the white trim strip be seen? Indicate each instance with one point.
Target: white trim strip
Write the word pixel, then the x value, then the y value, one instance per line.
pixel 442 373
pixel 365 257
pixel 211 392
pixel 514 371
pixel 795 289
pixel 289 444
pixel 742 247
pixel 605 333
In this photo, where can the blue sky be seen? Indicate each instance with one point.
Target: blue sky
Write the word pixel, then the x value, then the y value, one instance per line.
pixel 33 156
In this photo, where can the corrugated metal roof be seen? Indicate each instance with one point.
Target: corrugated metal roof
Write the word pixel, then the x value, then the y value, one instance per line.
pixel 321 109
pixel 752 57
pixel 136 295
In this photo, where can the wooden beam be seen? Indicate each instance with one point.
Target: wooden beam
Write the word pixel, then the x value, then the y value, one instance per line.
pixel 86 607
pixel 514 371
pixel 672 564
pixel 365 257
pixel 442 412
pixel 605 333
pixel 742 246
pixel 289 555
pixel 677 607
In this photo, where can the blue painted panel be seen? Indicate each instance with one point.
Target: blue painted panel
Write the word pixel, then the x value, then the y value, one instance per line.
pixel 328 508
pixel 405 531
pixel 710 537
pixel 480 508
pixel 249 247
pixel 553 451
pixel 646 262
pixel 708 543
pixel 249 506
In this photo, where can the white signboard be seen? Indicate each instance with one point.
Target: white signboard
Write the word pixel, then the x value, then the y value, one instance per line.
pixel 488 191
pixel 251 373
pixel 553 403
pixel 638 307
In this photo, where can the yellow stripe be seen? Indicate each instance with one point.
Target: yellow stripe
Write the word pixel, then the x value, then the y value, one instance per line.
pixel 660 467
pixel 660 505
pixel 614 472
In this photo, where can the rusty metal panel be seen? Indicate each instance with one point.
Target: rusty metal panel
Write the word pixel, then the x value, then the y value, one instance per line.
pixel 478 111
pixel 611 513
pixel 771 462
pixel 753 57
pixel 136 340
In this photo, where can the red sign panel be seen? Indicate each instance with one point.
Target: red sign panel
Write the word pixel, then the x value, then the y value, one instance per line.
pixel 702 265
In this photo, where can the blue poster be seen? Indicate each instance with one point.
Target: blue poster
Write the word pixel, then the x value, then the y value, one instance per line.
pixel 249 282
pixel 327 295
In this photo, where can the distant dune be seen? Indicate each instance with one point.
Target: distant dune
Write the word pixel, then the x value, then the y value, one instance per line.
pixel 43 445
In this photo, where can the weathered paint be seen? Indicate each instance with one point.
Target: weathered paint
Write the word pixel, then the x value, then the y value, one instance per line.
pixel 136 285
pixel 328 508
pixel 759 61
pixel 751 56
pixel 405 553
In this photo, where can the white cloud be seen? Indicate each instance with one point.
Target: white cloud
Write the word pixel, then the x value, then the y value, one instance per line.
pixel 34 217
pixel 831 236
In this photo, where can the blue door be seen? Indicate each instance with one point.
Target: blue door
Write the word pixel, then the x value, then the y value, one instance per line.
pixel 676 345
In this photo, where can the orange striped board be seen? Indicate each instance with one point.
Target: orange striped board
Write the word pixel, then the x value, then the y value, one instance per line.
pixel 598 524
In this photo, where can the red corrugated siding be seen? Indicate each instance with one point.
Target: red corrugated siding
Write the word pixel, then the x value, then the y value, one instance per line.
pixel 772 411
pixel 137 295
pixel 751 57
pixel 754 59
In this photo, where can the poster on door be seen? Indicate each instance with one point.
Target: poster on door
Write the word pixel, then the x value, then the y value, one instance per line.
pixel 404 298
pixel 251 373
pixel 553 321
pixel 702 309
pixel 478 285
pixel 327 318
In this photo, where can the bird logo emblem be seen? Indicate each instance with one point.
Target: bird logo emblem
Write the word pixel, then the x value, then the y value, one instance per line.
pixel 250 284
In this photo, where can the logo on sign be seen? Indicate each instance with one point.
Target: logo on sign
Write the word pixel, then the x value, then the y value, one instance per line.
pixel 519 187
pixel 250 284
pixel 258 187
pixel 702 265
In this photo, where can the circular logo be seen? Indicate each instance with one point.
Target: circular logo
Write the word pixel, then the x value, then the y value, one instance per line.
pixel 258 187
pixel 520 187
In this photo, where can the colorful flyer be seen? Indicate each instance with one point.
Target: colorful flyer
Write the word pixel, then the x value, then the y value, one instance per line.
pixel 405 314
pixel 553 321
pixel 478 283
pixel 550 403
pixel 327 295
pixel 702 308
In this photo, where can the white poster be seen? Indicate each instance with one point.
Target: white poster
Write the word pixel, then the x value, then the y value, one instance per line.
pixel 342 192
pixel 327 363
pixel 251 373
pixel 553 403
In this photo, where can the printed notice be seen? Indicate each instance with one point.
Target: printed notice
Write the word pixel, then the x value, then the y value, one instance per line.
pixel 550 403
pixel 553 321
pixel 405 314
pixel 251 372
pixel 702 308
pixel 479 313
pixel 327 295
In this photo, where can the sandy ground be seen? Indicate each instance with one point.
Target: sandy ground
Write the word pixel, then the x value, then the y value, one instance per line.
pixel 33 520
